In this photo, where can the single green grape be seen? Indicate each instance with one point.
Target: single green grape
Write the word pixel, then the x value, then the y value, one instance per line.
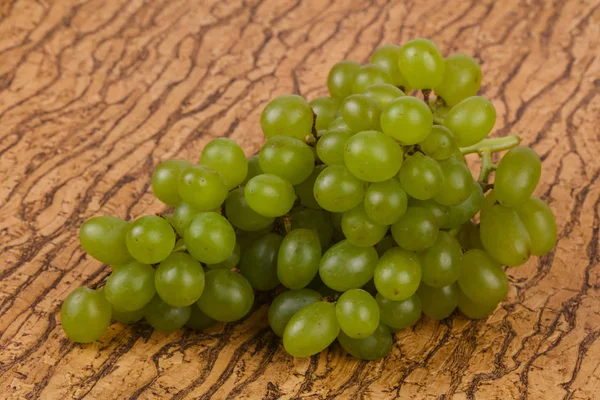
pixel 517 175
pixel 304 190
pixel 269 195
pixel 258 263
pixel 227 296
pixel 387 57
pixel 288 115
pixel 231 262
pixel 287 304
pixel 438 303
pixel 385 202
pixel 469 237
pixel 384 245
pixel 439 211
pixel 383 93
pixel 337 190
pixel 127 317
pixel 210 238
pixel 287 157
pixel 439 144
pixel 181 217
pixel 130 287
pixel 85 315
pixel 179 280
pixel 407 119
pixel 253 169
pixel 227 157
pixel 421 63
pixel 202 187
pixel 150 239
pixel 199 321
pixel 318 221
pixel 340 79
pixel 346 266
pixel 373 156
pixel 339 124
pixel 298 258
pixel 369 75
pixel 416 230
pixel 398 315
pixel 461 213
pixel 164 317
pixel 165 178
pixel 360 230
pixel 325 108
pixel 441 263
pixel 241 215
pixel 360 112
pixel 311 330
pixel 471 120
pixel 472 309
pixel 457 183
pixel 330 147
pixel 373 347
pixel 421 176
pixel 482 278
pixel 540 224
pixel 357 313
pixel 398 274
pixel 104 239
pixel 462 79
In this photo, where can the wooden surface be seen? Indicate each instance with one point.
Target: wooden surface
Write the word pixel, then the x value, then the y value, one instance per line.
pixel 94 94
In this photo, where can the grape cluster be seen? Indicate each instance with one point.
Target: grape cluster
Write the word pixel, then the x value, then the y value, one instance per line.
pixel 359 213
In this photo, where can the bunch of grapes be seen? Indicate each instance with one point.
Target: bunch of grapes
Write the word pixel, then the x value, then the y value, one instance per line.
pixel 359 213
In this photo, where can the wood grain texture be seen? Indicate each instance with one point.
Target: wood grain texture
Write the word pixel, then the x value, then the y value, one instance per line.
pixel 94 94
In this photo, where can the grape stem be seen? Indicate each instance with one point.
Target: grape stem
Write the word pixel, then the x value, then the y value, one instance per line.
pixel 492 145
pixel 487 166
pixel 180 247
pixel 437 120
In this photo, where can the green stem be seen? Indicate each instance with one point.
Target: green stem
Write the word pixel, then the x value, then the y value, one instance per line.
pixel 492 145
pixel 487 166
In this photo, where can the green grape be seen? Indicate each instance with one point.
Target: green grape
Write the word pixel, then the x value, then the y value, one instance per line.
pixel 311 330
pixel 317 220
pixel 471 120
pixel 288 158
pixel 210 238
pixel 441 263
pixel 181 217
pixel 482 278
pixel 270 195
pixel 304 190
pixel 360 230
pixel 287 304
pixel 462 79
pixel 398 315
pixel 288 115
pixel 127 317
pixel 373 156
pixel 165 178
pixel 407 119
pixel 150 239
pixel 179 280
pixel 357 313
pixel 231 261
pixel 340 79
pixel 202 187
pixel 164 317
pixel 503 234
pixel 421 176
pixel 416 230
pixel 384 245
pixel 421 63
pixel 199 321
pixel 130 287
pixel 241 215
pixel 457 183
pixel 298 258
pixel 258 263
pixel 253 169
pixel 385 202
pixel 517 175
pixel 397 274
pixel 104 239
pixel 383 93
pixel 346 266
pixel 373 347
pixel 369 75
pixel 337 190
pixel 472 309
pixel 438 303
pixel 330 147
pixel 360 112
pixel 227 296
pixel 540 224
pixel 439 144
pixel 469 237
pixel 85 315
pixel 463 212
pixel 227 157
pixel 339 124
pixel 439 211
pixel 386 57
pixel 325 109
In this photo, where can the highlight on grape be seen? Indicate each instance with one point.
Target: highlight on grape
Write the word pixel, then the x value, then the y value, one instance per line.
pixel 359 213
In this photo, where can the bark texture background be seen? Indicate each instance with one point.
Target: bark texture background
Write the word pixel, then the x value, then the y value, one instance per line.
pixel 94 94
